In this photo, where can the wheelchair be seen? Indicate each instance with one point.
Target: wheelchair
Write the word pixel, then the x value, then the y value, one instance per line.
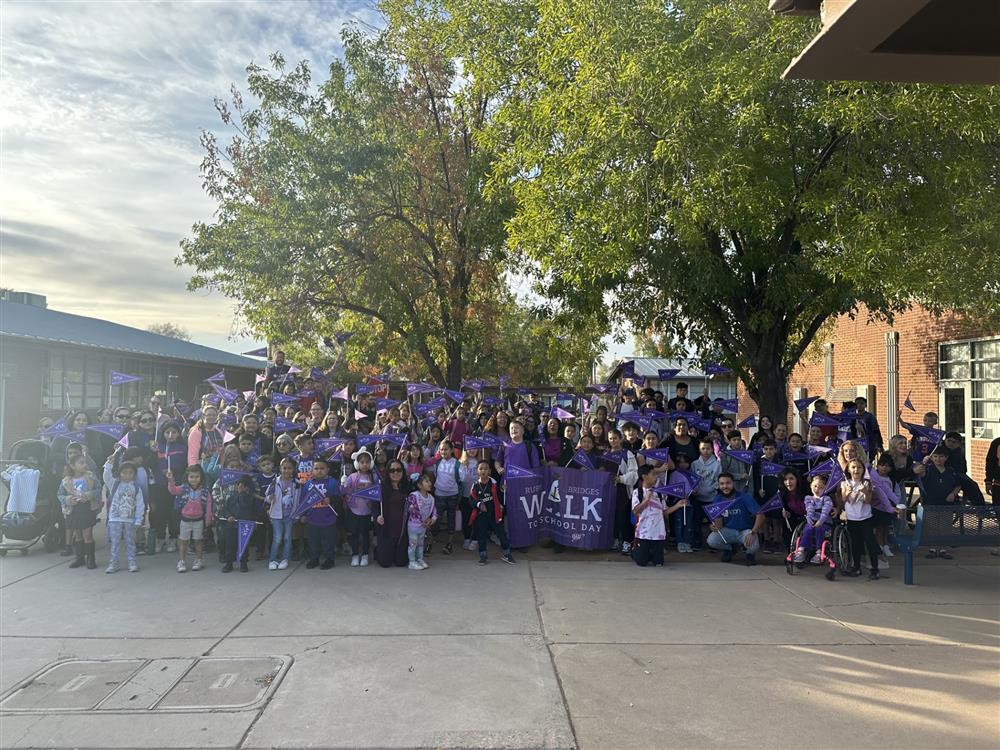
pixel 834 552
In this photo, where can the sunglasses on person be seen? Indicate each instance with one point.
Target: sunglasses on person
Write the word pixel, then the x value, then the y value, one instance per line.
pixel 395 469
pixel 121 415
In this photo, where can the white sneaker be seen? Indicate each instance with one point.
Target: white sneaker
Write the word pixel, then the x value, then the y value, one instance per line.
pixel 283 565
pixel 423 564
pixel 883 564
pixel 273 565
pixel 414 566
pixel 626 548
pixel 799 556
pixel 473 545
pixel 133 567
pixel 465 544
pixel 816 559
pixel 364 561
pixel 886 551
pixel 112 568
pixel 355 561
pixel 616 546
pixel 182 566
pixel 198 564
pixel 171 545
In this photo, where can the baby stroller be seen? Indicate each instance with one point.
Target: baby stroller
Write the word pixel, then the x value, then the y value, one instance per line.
pixel 32 512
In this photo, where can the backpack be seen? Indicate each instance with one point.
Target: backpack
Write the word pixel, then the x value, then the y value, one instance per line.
pixel 194 507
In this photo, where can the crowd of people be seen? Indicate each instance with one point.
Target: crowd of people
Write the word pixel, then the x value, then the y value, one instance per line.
pixel 322 471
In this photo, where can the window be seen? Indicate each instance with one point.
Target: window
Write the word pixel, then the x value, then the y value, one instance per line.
pixel 95 390
pixel 52 387
pixel 978 362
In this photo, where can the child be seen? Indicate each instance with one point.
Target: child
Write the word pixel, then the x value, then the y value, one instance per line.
pixel 650 530
pixel 193 505
pixel 818 520
pixel 487 514
pixel 239 505
pixel 321 517
pixel 450 475
pixel 220 497
pixel 171 454
pixel 939 486
pixel 414 462
pixel 421 514
pixel 856 492
pixel 739 469
pixel 280 500
pixel 264 478
pixel 765 487
pixel 359 516
pixel 78 496
pixel 304 446
pixel 137 455
pixel 126 506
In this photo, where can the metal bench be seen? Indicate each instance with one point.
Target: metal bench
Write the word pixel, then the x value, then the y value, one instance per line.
pixel 948 526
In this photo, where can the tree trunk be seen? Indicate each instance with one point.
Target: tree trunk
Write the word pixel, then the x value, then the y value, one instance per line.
pixel 454 364
pixel 771 392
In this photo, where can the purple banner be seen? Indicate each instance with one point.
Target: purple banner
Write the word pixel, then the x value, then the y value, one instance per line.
pixel 571 507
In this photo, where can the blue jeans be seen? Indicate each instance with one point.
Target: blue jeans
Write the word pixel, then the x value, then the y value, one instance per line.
pixel 684 533
pixel 282 538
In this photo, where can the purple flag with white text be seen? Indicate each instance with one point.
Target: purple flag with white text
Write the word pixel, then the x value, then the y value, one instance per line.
pixel 244 530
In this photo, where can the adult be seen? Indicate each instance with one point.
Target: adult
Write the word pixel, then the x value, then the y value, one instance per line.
pixel 864 427
pixel 738 525
pixel 557 449
pixel 822 407
pixel 205 441
pixel 679 442
pixel 793 503
pixel 765 431
pixel 276 371
pixel 250 426
pixel 954 444
pixel 993 470
pixel 390 524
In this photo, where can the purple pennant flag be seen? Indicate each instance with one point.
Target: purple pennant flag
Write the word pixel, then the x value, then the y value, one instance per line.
pixel 674 489
pixel 231 476
pixel 123 442
pixel 492 401
pixel 773 504
pixel 310 497
pixel 247 395
pixel 639 420
pixel 714 510
pixel 372 493
pixel 112 430
pixel 823 468
pixel 713 368
pixel 628 369
pixel 262 352
pixel 396 438
pixel 244 530
pixel 259 378
pixel 559 413
pixel 325 445
pixel 473 443
pixel 328 342
pixel 423 409
pixel 227 420
pixel 227 395
pixel 801 404
pixel 476 385
pixel 836 476
pixel 415 388
pixel 813 451
pixel 74 437
pixel 582 459
pixel 675 415
pixel 428 421
pixel 523 391
pixel 638 380
pixel 516 472
pixel 491 440
pixel 365 440
pixel 692 479
pixel 120 378
pixel 928 433
pixel 307 393
pixel 386 403
pixel 863 442
pixel 729 405
pixel 281 398
pixel 821 420
pixel 560 396
pixel 744 457
pixel 656 454
pixel 614 457
pixel 794 456
pixel 668 374
pixel 607 388
pixel 748 423
pixel 340 395
pixel 908 403
pixel 456 396
pixel 504 381
pixel 702 425
pixel 284 425
pixel 59 427
pixel 343 338
pixel 317 374
pixel 770 468
pixel 366 388
pixel 293 370
pixel 219 377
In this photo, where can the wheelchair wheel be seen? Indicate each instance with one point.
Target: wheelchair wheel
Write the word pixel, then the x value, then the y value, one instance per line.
pixel 840 548
pixel 793 545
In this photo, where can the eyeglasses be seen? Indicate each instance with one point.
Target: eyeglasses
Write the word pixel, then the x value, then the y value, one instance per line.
pixel 395 469
pixel 121 416
pixel 146 419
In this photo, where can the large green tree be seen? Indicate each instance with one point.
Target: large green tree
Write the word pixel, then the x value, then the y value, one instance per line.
pixel 659 162
pixel 357 204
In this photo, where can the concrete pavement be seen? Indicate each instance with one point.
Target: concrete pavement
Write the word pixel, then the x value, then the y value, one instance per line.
pixel 560 651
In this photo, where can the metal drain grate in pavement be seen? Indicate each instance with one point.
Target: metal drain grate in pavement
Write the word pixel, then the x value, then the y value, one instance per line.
pixel 158 685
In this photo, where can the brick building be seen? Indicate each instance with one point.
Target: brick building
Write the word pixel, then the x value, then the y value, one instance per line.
pixel 946 365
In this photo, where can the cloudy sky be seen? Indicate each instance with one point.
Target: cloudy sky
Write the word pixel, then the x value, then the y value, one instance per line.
pixel 101 108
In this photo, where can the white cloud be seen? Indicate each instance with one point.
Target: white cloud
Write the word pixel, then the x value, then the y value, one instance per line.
pixel 101 108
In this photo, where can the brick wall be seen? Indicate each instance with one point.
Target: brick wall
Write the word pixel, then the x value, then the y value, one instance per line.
pixel 859 358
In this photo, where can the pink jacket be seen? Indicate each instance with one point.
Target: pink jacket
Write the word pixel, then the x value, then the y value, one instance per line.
pixel 194 443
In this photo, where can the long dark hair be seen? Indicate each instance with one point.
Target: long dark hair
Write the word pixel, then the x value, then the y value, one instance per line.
pixel 405 486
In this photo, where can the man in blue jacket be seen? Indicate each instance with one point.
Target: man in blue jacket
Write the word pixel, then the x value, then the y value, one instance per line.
pixel 737 525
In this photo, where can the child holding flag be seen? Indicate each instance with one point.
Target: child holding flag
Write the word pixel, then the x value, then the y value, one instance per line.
pixel 818 519
pixel 650 528
pixel 321 537
pixel 280 500
pixel 359 509
pixel 193 506
pixel 239 505
pixel 421 514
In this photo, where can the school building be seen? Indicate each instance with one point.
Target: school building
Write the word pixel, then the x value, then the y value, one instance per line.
pixel 945 364
pixel 648 369
pixel 51 362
